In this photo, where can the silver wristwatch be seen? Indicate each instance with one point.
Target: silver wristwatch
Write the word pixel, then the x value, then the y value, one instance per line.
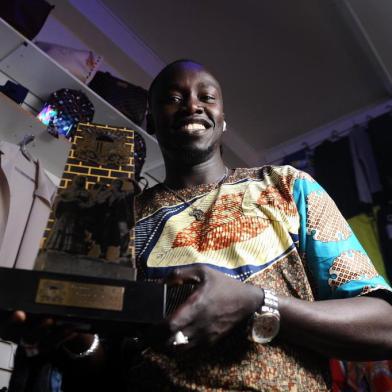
pixel 266 320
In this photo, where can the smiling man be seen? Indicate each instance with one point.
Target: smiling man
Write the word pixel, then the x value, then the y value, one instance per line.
pixel 281 282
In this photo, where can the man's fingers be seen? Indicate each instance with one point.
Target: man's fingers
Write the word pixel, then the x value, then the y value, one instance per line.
pixel 189 311
pixel 18 317
pixel 12 324
pixel 184 339
pixel 185 275
pixel 192 309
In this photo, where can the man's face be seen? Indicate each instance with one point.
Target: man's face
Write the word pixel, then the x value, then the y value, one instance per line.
pixel 187 113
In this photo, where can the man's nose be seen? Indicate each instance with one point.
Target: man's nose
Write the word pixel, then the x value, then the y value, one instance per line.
pixel 193 105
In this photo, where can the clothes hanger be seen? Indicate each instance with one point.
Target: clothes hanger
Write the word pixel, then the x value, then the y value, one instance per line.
pixel 27 139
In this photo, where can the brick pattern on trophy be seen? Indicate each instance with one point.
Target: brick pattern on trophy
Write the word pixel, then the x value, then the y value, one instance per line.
pixel 96 172
pixel 100 155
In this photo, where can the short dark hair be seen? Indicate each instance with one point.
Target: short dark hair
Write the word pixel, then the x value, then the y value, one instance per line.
pixel 164 70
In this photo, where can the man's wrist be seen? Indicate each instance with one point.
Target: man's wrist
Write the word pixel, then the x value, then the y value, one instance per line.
pixel 257 299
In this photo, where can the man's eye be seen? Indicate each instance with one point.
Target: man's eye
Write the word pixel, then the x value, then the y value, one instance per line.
pixel 173 99
pixel 208 98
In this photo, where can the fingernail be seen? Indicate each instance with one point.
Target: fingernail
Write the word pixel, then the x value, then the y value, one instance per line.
pixel 19 316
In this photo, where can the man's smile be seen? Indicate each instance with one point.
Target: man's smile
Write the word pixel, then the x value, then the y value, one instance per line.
pixel 193 125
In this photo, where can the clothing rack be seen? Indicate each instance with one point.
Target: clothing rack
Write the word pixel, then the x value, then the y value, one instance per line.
pixel 332 131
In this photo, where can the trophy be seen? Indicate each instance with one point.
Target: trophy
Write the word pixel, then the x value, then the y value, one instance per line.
pixel 85 269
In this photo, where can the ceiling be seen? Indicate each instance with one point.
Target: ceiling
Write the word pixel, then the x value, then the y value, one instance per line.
pixel 286 67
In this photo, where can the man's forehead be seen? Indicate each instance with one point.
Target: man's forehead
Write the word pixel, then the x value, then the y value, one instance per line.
pixel 183 72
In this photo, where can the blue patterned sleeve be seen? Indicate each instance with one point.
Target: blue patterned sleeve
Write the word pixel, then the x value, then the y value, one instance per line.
pixel 339 265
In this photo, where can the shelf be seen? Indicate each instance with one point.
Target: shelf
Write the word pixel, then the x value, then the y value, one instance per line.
pixel 46 76
pixel 15 123
pixel 9 40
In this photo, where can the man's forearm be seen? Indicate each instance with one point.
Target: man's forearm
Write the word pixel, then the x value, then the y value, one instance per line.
pixel 356 328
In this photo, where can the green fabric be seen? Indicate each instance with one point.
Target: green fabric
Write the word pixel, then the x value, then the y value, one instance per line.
pixel 365 228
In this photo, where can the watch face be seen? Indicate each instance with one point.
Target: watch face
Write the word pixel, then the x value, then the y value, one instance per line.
pixel 265 327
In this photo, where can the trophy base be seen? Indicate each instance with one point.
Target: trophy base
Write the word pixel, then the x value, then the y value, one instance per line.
pixel 96 304
pixel 74 264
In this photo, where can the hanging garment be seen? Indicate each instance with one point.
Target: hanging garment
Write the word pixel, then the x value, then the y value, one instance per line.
pixel 26 16
pixel 83 64
pixel 335 172
pixel 384 221
pixel 129 99
pixel 365 167
pixel 350 376
pixel 380 133
pixel 338 376
pixel 14 91
pixel 26 195
pixel 365 228
pixel 301 160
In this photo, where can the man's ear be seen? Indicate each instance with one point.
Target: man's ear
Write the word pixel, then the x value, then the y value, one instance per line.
pixel 150 128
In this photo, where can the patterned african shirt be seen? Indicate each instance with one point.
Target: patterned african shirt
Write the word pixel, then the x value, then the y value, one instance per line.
pixel 273 227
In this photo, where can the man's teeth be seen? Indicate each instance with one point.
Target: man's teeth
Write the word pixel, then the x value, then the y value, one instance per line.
pixel 194 127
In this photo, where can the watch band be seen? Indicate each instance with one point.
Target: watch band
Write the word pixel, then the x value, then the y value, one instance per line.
pixel 271 303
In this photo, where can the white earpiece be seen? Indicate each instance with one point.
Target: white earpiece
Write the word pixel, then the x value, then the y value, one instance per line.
pixel 224 126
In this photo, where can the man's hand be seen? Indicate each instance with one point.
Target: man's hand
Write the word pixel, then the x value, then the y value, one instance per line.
pixel 41 335
pixel 217 305
pixel 12 325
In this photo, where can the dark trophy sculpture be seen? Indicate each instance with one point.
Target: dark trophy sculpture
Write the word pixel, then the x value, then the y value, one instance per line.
pixel 85 269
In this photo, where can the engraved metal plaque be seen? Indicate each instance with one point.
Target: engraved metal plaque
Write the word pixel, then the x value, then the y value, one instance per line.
pixel 82 295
